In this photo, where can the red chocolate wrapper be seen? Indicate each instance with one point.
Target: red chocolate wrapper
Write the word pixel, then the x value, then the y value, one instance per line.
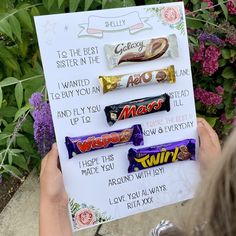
pixel 161 154
pixel 88 143
pixel 137 107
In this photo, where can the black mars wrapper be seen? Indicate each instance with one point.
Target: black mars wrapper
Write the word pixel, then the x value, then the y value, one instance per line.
pixel 137 107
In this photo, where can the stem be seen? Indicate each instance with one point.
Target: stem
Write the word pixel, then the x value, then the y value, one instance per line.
pixel 191 18
pixel 21 9
pixel 12 139
pixel 207 8
pixel 21 81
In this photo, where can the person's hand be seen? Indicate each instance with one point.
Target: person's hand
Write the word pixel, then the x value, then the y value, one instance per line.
pixel 52 190
pixel 53 209
pixel 210 149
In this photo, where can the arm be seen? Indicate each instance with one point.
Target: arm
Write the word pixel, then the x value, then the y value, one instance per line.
pixel 53 212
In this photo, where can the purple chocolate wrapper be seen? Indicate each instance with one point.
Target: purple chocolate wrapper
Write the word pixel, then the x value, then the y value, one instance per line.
pixel 161 154
pixel 88 143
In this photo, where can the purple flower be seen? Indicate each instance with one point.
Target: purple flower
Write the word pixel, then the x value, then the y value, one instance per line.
pixel 210 37
pixel 36 99
pixel 43 125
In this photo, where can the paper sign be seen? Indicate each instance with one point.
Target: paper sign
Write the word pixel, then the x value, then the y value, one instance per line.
pixel 72 49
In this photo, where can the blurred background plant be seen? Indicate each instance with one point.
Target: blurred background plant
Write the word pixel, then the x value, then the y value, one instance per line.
pixel 23 97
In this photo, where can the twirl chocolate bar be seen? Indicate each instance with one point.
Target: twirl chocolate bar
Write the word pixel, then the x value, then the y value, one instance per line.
pixel 137 107
pixel 161 154
pixel 142 50
pixel 114 82
pixel 83 144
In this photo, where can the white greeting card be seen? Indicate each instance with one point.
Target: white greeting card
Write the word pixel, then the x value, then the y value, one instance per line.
pixel 72 50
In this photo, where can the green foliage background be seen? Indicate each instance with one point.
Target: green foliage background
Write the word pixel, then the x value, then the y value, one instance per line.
pixel 21 71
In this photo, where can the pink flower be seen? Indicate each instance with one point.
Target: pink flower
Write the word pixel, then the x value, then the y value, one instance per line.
pixel 209 67
pixel 210 64
pixel 199 55
pixel 171 15
pixel 231 6
pixel 207 98
pixel 85 217
pixel 234 102
pixel 220 90
pixel 231 40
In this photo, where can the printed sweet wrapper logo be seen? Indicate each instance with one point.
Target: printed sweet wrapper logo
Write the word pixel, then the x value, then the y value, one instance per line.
pixel 84 215
pixel 97 25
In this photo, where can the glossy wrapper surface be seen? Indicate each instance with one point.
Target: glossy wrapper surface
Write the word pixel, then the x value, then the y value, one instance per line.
pixel 88 143
pixel 161 154
pixel 137 107
pixel 114 82
pixel 142 50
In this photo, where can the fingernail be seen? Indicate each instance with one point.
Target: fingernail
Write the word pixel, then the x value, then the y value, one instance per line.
pixel 54 146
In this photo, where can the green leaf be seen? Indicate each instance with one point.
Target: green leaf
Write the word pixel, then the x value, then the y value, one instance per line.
pixel 8 111
pixel 192 23
pixel 25 20
pixel 228 85
pixel 50 3
pixel 60 2
pixel 211 120
pixel 19 94
pixel 1 96
pixel 15 26
pixel 229 73
pixel 4 135
pixel 74 5
pixel 25 144
pixel 35 11
pixel 13 170
pixel 22 111
pixel 9 81
pixel 224 8
pixel 87 4
pixel 9 157
pixel 28 125
pixel 222 62
pixel 226 53
pixel 5 28
pixel 19 160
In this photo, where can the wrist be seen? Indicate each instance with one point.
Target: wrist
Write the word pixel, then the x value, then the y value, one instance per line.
pixel 56 203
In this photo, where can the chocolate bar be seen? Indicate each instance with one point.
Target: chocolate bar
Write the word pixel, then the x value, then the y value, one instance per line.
pixel 161 154
pixel 142 50
pixel 109 83
pixel 137 107
pixel 87 143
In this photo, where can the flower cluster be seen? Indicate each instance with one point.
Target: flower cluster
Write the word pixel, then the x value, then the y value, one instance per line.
pixel 43 126
pixel 211 38
pixel 225 121
pixel 206 97
pixel 220 90
pixel 231 6
pixel 208 57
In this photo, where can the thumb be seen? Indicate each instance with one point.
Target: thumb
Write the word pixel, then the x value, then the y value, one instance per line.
pixel 203 134
pixel 53 156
